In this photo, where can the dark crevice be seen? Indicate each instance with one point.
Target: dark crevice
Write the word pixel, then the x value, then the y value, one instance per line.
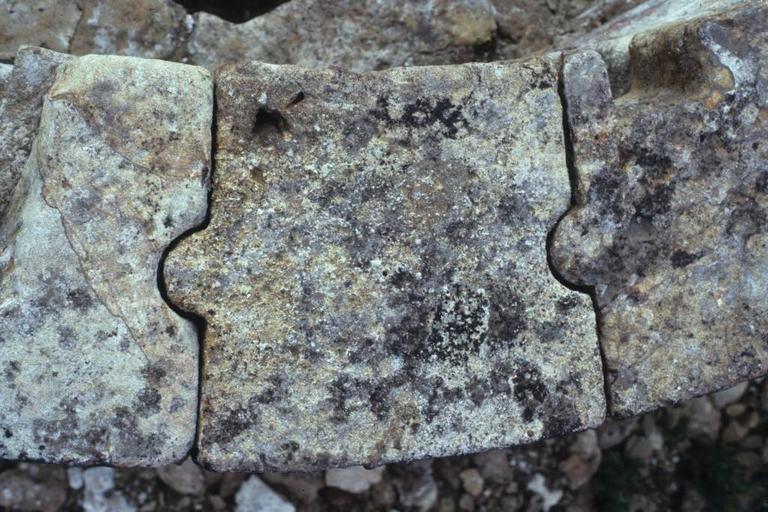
pixel 236 11
pixel 197 320
pixel 573 178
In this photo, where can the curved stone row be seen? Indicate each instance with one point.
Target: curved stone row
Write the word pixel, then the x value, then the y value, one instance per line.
pixel 375 275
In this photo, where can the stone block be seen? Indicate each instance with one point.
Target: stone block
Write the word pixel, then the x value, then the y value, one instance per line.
pixel 374 275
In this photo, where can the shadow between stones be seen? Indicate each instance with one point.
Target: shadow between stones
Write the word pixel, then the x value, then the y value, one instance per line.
pixel 573 179
pixel 197 320
pixel 236 11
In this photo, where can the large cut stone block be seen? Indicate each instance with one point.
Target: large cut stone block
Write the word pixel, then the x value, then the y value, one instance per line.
pixel 374 275
pixel 96 368
pixel 671 216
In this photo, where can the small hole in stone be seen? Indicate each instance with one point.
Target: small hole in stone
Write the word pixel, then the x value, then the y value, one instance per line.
pixel 268 119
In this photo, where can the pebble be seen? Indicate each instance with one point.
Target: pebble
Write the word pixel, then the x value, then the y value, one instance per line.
pixel 730 395
pixel 355 479
pixel 472 481
pixel 255 496
pixel 184 478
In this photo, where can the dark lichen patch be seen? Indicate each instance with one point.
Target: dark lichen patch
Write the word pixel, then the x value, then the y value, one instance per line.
pixel 423 112
pixel 681 259
pixel 147 402
pixel 459 325
pixel 230 425
pixel 529 389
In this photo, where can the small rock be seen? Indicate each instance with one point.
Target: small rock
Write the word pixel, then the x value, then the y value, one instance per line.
pixel 255 496
pixel 184 478
pixel 639 448
pixel 355 479
pixel 730 395
pixel 301 487
pixel 466 503
pixel 33 487
pixel 100 494
pixel 550 498
pixel 472 481
pixel 494 466
pixel 703 418
pixel 416 485
pixel 734 431
pixel 75 478
pixel 735 410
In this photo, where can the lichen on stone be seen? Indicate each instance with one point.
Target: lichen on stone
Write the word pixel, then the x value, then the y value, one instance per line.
pixel 374 274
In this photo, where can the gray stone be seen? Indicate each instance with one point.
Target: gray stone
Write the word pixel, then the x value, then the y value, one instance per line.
pixel 141 28
pixel 670 222
pixel 358 35
pixel 46 23
pixel 353 479
pixel 255 496
pixel 731 395
pixel 33 74
pixel 184 478
pixel 472 482
pixel 374 274
pixel 98 369
pixel 99 494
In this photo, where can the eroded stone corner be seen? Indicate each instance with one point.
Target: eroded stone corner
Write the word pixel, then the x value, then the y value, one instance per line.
pixel 669 224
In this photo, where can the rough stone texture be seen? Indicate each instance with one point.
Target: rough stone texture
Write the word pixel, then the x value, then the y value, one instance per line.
pixel 527 27
pixel 140 28
pixel 33 74
pixel 671 218
pixel 358 35
pixel 5 76
pixel 96 368
pixel 374 275
pixel 612 40
pixel 46 23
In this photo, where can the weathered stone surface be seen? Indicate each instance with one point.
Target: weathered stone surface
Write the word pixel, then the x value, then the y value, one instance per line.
pixel 5 76
pixel 46 23
pixel 612 40
pixel 97 368
pixel 671 218
pixel 374 274
pixel 358 35
pixel 33 74
pixel 139 28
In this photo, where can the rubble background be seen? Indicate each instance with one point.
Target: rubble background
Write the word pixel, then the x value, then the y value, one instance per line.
pixel 710 453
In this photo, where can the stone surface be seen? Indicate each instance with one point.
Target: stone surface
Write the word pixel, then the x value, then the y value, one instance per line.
pixel 97 368
pixel 255 496
pixel 33 74
pixel 374 275
pixel 670 223
pixel 46 23
pixel 5 76
pixel 613 39
pixel 139 28
pixel 358 35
